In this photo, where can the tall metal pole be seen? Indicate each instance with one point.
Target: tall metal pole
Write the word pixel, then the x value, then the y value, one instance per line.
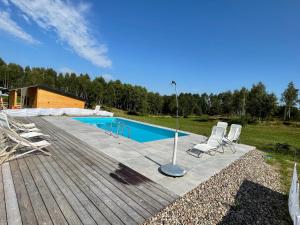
pixel 177 127
pixel 177 107
pixel 172 169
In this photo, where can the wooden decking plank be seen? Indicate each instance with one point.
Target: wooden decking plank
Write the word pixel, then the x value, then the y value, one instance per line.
pixel 74 195
pixel 82 148
pixel 37 202
pixel 12 208
pixel 26 210
pixel 163 192
pixel 3 220
pixel 106 211
pixel 109 200
pixel 127 204
pixel 120 189
pixel 132 176
pixel 126 171
pixel 129 177
pixel 125 192
pixel 50 203
pixel 55 199
pixel 154 204
pixel 129 173
pixel 161 196
pixel 86 178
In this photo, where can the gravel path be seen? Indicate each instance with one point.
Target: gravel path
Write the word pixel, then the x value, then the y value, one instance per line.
pixel 246 192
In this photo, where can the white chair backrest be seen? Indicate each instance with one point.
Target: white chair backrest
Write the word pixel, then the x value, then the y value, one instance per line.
pixel 4 121
pixel 12 135
pixel 223 124
pixel 235 132
pixel 293 201
pixel 97 108
pixel 217 136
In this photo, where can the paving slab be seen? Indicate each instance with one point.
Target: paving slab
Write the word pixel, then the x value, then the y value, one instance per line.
pixel 147 157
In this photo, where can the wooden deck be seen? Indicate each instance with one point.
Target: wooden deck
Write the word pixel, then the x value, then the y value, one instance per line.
pixel 77 185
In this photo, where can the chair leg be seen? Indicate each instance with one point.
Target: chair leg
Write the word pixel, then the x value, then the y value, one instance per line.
pixel 233 148
pixel 2 152
pixel 8 154
pixel 5 158
pixel 212 152
pixel 31 151
pixel 222 147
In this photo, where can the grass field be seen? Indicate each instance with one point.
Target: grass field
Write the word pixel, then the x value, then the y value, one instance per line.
pixel 265 136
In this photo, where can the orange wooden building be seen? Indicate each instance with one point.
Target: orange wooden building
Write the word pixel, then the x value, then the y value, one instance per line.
pixel 43 97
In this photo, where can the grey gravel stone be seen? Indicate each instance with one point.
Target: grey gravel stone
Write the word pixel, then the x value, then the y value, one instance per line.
pixel 246 192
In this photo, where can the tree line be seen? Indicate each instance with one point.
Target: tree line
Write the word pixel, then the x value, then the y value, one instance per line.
pixel 255 102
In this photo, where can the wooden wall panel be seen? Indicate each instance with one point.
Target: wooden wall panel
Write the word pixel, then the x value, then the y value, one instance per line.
pixel 12 99
pixel 47 99
pixel 32 93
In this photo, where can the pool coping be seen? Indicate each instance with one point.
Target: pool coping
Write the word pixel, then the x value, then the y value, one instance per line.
pixel 147 157
pixel 144 123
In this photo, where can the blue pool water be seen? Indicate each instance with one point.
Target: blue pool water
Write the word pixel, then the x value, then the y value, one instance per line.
pixel 130 129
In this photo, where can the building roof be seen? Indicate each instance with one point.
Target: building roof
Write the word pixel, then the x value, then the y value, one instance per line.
pixel 51 90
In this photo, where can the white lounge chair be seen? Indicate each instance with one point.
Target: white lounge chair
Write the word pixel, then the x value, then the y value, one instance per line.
pixel 213 143
pixel 234 133
pixel 224 125
pixel 97 108
pixel 233 136
pixel 6 125
pixel 24 129
pixel 20 144
pixel 22 125
pixel 18 124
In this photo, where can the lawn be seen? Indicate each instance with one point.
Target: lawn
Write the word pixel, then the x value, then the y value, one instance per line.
pixel 265 136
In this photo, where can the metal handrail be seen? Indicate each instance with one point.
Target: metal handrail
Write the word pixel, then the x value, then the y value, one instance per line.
pixel 128 128
pixel 120 127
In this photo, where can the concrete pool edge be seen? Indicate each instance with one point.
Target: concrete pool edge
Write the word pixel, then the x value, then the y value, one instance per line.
pixel 146 158
pixel 164 132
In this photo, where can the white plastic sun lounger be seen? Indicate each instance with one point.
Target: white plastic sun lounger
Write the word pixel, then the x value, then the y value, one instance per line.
pixel 233 136
pixel 22 125
pixel 213 143
pixel 30 134
pixel 34 129
pixel 234 133
pixel 20 143
pixel 219 124
pixel 18 124
pixel 224 125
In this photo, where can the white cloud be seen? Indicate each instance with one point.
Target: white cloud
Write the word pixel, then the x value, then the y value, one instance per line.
pixel 5 2
pixel 10 26
pixel 107 77
pixel 26 18
pixel 70 25
pixel 84 7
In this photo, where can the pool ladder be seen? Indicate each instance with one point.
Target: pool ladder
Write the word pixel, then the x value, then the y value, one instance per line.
pixel 120 128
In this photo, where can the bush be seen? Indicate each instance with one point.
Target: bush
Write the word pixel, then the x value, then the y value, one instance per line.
pixel 203 118
pixel 133 113
pixel 282 148
pixel 287 123
pixel 242 120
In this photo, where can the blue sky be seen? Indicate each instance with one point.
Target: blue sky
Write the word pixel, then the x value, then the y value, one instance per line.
pixel 206 46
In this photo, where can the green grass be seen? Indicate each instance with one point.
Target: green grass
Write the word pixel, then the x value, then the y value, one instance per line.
pixel 263 135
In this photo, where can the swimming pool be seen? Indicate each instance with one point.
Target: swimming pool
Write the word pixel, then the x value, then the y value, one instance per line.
pixel 134 130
